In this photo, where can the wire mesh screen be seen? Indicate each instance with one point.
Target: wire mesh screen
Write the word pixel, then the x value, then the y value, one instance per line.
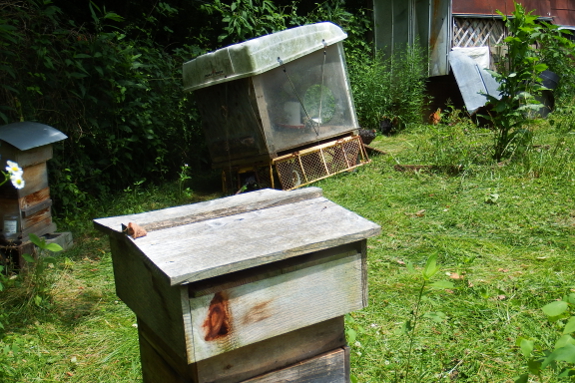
pixel 310 165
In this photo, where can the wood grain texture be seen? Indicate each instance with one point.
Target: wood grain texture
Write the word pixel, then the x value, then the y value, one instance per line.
pixel 46 226
pixel 36 178
pixel 246 362
pixel 238 278
pixel 270 307
pixel 328 368
pixel 220 246
pixel 34 209
pixel 42 216
pixel 31 200
pixel 222 207
pixel 149 296
pixel 262 107
pixel 156 369
pixel 272 354
pixel 28 157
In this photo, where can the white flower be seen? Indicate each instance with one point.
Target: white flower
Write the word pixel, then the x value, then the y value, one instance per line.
pixel 13 168
pixel 17 180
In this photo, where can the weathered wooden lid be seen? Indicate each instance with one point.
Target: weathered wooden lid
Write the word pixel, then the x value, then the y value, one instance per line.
pixel 199 241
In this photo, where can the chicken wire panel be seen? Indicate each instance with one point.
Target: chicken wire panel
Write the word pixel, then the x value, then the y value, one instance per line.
pixel 304 167
pixel 289 173
pixel 470 32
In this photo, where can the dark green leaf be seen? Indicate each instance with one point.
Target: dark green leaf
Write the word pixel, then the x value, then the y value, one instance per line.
pixel 566 354
pixel 28 258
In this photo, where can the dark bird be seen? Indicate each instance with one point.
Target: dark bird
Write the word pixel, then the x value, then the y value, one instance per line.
pixel 387 125
pixel 367 135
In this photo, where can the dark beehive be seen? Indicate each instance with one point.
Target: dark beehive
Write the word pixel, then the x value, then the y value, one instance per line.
pixel 28 144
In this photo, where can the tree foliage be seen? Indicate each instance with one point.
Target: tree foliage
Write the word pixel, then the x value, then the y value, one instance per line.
pixel 110 79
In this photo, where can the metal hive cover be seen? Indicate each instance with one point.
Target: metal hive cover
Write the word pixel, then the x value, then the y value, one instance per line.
pixel 29 135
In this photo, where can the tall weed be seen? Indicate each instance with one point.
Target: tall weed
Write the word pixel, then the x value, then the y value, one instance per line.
pixel 389 87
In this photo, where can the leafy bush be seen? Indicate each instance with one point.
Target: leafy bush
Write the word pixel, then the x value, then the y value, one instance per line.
pixel 561 357
pixel 555 50
pixel 107 84
pixel 392 88
pixel 519 80
pixel 120 102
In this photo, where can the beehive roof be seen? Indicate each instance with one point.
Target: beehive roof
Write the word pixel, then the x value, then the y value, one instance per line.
pixel 208 239
pixel 28 135
pixel 258 55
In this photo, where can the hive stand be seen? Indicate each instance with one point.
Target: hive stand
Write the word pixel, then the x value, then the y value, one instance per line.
pixel 249 288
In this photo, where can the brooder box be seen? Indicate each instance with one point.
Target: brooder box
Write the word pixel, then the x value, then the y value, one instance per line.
pixel 266 99
pixel 30 145
pixel 251 287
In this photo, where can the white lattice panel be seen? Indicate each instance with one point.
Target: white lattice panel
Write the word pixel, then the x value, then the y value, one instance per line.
pixel 468 32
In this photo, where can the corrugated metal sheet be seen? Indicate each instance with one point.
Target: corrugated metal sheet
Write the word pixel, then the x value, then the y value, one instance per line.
pixel 440 34
pixel 401 22
pixel 489 7
pixel 563 12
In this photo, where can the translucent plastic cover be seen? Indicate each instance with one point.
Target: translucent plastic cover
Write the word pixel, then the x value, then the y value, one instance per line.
pixel 308 100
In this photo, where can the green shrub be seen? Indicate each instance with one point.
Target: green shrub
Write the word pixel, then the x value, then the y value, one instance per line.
pixel 519 81
pixel 392 88
pixel 120 102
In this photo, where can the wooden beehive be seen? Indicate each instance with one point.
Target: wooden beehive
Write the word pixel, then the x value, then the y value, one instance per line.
pixel 28 144
pixel 272 96
pixel 246 288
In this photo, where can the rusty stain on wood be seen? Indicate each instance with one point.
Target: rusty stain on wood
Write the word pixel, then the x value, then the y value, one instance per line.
pixel 258 313
pixel 217 323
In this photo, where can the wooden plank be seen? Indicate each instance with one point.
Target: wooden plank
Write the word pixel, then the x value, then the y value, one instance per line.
pixel 45 226
pixel 249 361
pixel 25 158
pixel 262 107
pixel 33 199
pixel 155 368
pixel 181 215
pixel 242 277
pixel 272 354
pixel 220 246
pixel 36 178
pixel 43 215
pixel 331 367
pixel 34 209
pixel 150 297
pixel 256 311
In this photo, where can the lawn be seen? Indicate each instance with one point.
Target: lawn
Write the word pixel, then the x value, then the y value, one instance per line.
pixel 503 234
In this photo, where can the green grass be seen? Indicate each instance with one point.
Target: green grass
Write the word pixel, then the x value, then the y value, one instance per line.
pixel 508 229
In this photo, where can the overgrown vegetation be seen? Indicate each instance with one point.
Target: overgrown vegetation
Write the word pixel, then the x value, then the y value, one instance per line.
pixel 519 79
pixel 502 234
pixel 497 236
pixel 111 80
pixel 389 88
pixel 118 100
